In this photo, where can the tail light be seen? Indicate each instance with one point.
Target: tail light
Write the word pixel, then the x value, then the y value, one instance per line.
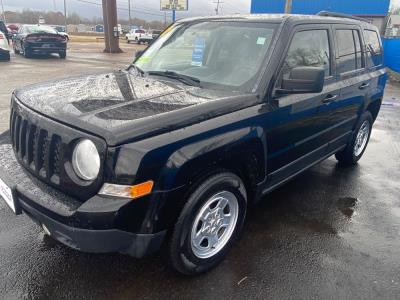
pixel 61 39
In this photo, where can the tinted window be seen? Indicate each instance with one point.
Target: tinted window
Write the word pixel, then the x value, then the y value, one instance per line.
pixel 357 41
pixel 349 50
pixel 308 48
pixel 373 46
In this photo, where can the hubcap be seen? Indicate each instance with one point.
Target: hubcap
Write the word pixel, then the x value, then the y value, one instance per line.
pixel 362 138
pixel 214 224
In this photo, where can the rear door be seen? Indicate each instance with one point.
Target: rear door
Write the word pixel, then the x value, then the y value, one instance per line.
pixel 354 82
pixel 300 123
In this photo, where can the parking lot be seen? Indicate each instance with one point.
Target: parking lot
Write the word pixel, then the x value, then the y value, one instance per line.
pixel 331 233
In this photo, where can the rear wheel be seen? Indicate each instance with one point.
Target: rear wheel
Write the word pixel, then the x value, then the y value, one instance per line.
pixel 209 224
pixel 358 143
pixel 63 54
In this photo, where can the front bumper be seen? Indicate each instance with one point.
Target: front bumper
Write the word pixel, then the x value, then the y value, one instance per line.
pixel 86 226
pixel 38 48
pixel 4 54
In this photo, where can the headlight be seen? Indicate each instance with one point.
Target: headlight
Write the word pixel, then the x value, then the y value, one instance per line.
pixel 86 160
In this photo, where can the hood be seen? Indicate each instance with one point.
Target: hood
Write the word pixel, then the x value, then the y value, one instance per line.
pixel 119 105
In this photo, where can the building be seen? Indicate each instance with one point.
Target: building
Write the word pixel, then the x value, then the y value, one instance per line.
pixel 375 11
pixel 393 26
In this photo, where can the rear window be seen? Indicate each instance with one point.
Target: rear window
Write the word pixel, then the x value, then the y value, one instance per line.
pixel 139 31
pixel 40 29
pixel 373 47
pixel 349 56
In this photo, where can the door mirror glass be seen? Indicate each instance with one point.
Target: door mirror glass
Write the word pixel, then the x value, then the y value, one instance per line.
pixel 303 80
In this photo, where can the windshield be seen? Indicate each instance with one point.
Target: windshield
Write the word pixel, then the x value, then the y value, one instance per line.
pixel 40 29
pixel 220 54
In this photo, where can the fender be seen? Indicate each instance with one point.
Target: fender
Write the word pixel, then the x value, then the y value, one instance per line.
pixel 244 148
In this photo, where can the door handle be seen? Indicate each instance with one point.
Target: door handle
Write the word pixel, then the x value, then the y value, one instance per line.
pixel 329 98
pixel 364 86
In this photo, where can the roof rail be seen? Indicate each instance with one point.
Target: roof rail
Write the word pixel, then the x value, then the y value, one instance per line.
pixel 325 13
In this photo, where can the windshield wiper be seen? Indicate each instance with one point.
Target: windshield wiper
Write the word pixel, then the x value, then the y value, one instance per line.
pixel 186 79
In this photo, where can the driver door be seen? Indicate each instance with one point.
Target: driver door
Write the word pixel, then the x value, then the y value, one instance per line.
pixel 300 122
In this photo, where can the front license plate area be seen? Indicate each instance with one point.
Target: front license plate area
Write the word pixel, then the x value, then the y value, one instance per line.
pixel 7 192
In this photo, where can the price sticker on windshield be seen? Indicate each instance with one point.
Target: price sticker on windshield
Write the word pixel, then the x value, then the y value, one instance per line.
pixel 198 52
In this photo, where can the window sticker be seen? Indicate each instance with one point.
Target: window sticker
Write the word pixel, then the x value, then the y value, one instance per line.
pixel 261 40
pixel 144 59
pixel 198 51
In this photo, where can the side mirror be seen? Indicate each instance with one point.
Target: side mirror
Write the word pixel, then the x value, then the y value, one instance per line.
pixel 303 80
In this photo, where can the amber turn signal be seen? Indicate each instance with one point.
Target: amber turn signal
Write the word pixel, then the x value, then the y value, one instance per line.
pixel 141 189
pixel 127 191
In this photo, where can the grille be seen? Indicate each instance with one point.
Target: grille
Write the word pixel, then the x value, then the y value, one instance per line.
pixel 36 148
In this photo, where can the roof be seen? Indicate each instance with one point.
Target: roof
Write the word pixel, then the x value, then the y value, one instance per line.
pixel 270 18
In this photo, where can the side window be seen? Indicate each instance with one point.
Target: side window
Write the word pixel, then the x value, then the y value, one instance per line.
pixel 308 48
pixel 359 57
pixel 349 50
pixel 373 47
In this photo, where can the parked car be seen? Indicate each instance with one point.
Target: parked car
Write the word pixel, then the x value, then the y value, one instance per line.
pixel 39 39
pixel 4 30
pixel 211 117
pixel 155 33
pixel 61 31
pixel 12 29
pixel 139 36
pixel 4 47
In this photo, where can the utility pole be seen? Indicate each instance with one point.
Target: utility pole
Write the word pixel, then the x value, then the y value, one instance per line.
pixel 111 36
pixel 288 7
pixel 2 10
pixel 218 2
pixel 130 17
pixel 65 16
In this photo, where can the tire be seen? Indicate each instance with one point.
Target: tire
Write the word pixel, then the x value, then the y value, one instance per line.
pixel 191 256
pixel 15 49
pixel 358 143
pixel 63 54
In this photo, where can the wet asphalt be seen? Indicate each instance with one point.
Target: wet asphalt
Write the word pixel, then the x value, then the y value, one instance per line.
pixel 331 233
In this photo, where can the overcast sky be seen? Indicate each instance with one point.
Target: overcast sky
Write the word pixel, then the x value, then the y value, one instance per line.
pixel 144 9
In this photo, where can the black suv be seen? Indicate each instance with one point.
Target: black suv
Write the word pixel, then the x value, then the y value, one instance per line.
pixel 212 116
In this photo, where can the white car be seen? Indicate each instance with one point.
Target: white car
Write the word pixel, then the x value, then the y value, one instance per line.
pixel 139 36
pixel 4 47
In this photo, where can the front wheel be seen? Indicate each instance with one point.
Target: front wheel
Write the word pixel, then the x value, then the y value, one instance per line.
pixel 209 223
pixel 358 143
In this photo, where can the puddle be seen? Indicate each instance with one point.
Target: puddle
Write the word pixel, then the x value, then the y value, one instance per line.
pixel 346 205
